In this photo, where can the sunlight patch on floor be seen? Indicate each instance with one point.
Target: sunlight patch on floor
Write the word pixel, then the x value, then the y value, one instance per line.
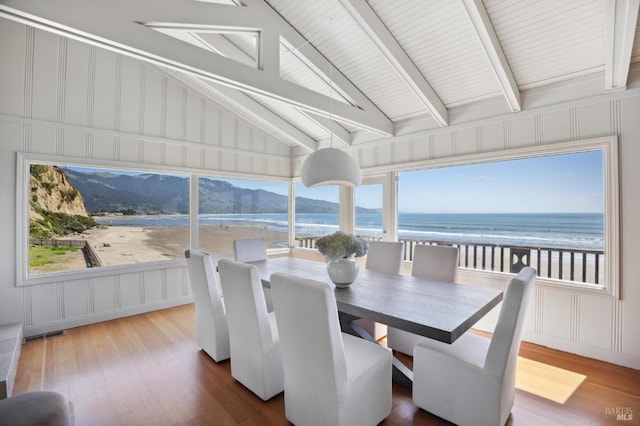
pixel 546 381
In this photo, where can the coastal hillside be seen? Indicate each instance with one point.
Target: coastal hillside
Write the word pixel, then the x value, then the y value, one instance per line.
pixel 163 194
pixel 51 191
pixel 56 206
pixel 106 192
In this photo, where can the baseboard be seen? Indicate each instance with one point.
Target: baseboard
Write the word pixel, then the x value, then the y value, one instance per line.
pixel 105 316
pixel 583 349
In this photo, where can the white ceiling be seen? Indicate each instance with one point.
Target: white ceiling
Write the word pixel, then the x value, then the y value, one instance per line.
pixel 304 70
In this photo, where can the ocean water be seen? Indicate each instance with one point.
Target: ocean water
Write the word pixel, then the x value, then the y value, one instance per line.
pixel 557 230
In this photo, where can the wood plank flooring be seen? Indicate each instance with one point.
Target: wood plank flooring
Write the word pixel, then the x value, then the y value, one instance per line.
pixel 147 370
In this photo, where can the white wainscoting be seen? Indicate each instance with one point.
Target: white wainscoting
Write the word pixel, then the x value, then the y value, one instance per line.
pixel 567 319
pixel 64 304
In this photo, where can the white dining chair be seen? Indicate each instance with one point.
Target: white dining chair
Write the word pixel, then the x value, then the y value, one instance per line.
pixel 439 263
pixel 472 380
pixel 382 256
pixel 330 378
pixel 211 321
pixel 255 347
pixel 253 250
pixel 250 249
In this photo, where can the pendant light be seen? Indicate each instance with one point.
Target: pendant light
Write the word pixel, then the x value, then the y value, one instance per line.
pixel 330 166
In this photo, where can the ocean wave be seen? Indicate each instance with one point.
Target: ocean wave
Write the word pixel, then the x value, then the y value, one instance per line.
pixel 511 228
pixel 507 239
pixel 537 230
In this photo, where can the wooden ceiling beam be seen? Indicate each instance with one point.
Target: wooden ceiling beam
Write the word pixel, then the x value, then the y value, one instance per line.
pixel 620 20
pixel 278 126
pixel 118 25
pixel 222 45
pixel 340 133
pixel 491 45
pixel 397 57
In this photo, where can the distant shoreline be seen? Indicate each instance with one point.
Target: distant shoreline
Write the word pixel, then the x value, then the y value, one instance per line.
pixel 583 231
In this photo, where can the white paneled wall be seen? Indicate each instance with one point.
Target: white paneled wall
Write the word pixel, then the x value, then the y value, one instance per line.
pixel 65 98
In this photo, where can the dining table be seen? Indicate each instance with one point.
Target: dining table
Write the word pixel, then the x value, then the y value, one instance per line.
pixel 437 310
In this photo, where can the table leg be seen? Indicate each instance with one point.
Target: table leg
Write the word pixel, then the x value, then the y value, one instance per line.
pixel 401 373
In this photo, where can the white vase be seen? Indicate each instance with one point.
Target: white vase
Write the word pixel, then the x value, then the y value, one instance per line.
pixel 342 272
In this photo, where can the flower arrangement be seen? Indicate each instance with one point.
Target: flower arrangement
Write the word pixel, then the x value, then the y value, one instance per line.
pixel 340 245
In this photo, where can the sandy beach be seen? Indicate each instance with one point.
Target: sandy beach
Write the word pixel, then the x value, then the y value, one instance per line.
pixel 118 245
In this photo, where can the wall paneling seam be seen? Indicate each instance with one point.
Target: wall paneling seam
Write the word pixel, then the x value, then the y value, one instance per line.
pixel 61 92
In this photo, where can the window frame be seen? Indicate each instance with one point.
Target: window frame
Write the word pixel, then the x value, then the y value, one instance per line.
pixel 389 186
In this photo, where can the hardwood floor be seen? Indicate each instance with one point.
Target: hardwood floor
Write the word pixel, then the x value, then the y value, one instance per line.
pixel 147 370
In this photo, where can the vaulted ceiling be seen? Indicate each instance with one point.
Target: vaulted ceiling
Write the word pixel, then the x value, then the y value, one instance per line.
pixel 356 71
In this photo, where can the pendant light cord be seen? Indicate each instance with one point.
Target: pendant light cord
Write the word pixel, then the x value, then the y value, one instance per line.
pixel 330 82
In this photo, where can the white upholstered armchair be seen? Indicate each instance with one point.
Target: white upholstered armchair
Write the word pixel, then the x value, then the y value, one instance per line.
pixel 472 380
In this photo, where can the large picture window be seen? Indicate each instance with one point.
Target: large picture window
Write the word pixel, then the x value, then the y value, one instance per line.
pixel 80 219
pixel 91 217
pixel 553 208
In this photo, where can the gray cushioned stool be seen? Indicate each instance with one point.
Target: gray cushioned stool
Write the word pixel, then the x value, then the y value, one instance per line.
pixel 36 408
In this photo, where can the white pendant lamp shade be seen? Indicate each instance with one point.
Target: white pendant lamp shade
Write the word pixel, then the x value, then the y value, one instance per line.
pixel 330 166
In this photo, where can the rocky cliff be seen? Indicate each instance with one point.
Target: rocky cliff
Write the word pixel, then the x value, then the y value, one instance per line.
pixel 56 207
pixel 51 191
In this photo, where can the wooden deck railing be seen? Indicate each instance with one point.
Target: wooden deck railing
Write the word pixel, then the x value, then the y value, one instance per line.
pixel 90 256
pixel 585 266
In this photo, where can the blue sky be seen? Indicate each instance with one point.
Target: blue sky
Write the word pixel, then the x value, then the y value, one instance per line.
pixel 567 183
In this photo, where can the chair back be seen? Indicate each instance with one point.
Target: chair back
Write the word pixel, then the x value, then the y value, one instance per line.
pixel 211 321
pixel 255 349
pixel 313 356
pixel 505 342
pixel 250 249
pixel 439 263
pixel 385 256
pixel 249 329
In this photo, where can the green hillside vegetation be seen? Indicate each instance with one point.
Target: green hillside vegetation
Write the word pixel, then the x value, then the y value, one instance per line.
pixel 53 223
